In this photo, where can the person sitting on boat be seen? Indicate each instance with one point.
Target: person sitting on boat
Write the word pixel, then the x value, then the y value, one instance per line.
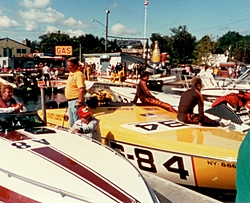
pixel 8 104
pixel 113 75
pixel 145 96
pixel 86 124
pixel 121 75
pixel 189 99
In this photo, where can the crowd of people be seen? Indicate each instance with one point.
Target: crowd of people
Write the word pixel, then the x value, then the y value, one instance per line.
pixel 82 121
pixel 75 91
pixel 234 71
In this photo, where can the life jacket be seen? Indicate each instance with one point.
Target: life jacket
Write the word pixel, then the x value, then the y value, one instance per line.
pixel 231 98
pixel 3 104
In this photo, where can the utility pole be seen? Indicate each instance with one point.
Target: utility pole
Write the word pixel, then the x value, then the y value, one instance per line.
pixel 106 38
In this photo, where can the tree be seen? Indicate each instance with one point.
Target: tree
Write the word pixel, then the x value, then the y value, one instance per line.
pixel 50 40
pixel 228 42
pixel 204 51
pixel 35 46
pixel 157 37
pixel 182 46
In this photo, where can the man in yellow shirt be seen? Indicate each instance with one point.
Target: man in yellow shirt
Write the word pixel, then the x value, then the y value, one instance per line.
pixel 75 89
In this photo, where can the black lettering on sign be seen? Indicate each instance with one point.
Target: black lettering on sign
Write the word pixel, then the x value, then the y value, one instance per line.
pixel 21 145
pixel 42 141
pixel 180 170
pixel 145 157
pixel 148 127
pixel 117 147
pixel 213 163
pixel 172 124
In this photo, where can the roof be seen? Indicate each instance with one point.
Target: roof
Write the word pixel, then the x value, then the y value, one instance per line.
pixel 6 38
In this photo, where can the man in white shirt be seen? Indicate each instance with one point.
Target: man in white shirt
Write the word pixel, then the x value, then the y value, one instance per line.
pixel 46 74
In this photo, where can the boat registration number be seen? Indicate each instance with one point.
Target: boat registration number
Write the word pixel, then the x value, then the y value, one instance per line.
pixel 179 168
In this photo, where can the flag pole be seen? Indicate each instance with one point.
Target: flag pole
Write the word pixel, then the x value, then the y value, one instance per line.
pixel 145 27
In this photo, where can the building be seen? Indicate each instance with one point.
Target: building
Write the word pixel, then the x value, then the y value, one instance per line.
pixel 11 48
pixel 112 58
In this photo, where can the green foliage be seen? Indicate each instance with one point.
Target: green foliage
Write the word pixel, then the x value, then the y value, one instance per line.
pixel 204 51
pixel 88 43
pixel 182 46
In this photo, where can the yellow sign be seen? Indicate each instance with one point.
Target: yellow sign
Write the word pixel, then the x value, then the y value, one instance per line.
pixel 63 51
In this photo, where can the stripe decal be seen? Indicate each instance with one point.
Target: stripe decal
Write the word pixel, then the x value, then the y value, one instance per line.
pixel 85 173
pixel 14 136
pixel 7 195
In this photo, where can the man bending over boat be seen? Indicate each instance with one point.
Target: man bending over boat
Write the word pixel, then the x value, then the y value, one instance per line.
pixel 189 99
pixel 86 124
pixel 8 104
pixel 143 93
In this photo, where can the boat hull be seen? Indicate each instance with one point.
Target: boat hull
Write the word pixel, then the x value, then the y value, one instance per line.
pixel 50 165
pixel 156 142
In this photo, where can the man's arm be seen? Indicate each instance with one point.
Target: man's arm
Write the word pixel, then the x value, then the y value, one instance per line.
pixel 145 89
pixel 80 100
pixel 90 127
pixel 7 110
pixel 81 94
pixel 200 106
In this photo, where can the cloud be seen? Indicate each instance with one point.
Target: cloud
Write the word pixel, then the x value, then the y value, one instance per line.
pixel 244 32
pixel 34 3
pixel 6 22
pixel 51 29
pixel 114 5
pixel 71 22
pixel 120 29
pixel 48 15
pixel 76 33
pixel 31 25
pixel 71 33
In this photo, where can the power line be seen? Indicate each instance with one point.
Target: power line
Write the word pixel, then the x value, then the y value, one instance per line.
pixel 218 26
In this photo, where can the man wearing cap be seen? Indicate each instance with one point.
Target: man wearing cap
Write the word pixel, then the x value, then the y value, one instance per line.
pixel 143 93
pixel 86 124
pixel 75 89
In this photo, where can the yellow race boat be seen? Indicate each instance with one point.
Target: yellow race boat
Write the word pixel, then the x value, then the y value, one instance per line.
pixel 157 143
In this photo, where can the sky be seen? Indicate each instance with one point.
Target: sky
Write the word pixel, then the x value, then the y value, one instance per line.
pixel 29 19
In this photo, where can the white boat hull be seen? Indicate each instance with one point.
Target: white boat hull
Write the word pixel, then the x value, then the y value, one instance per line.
pixel 49 165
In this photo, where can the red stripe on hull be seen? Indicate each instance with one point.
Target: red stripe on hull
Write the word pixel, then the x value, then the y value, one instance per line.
pixel 85 173
pixel 10 196
pixel 14 136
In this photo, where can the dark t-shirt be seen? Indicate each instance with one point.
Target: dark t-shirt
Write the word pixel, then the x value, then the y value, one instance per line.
pixel 189 99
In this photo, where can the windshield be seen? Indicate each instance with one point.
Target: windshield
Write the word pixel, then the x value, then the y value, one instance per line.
pixel 19 121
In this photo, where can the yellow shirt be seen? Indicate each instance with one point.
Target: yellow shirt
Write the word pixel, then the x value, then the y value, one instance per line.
pixel 216 70
pixel 74 83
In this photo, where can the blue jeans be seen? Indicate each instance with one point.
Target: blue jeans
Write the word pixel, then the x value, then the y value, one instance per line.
pixel 72 111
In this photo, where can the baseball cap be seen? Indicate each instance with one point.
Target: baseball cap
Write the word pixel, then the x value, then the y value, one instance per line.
pixel 83 112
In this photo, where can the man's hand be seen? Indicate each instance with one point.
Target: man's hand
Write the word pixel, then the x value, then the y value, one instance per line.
pixel 19 106
pixel 78 104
